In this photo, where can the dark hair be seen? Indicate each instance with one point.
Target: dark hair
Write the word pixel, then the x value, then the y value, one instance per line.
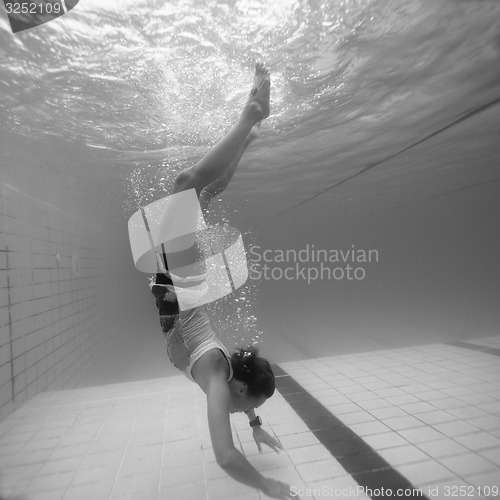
pixel 254 370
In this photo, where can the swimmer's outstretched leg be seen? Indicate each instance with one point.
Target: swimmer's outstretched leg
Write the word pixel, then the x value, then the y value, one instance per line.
pixel 216 187
pixel 181 218
pixel 220 158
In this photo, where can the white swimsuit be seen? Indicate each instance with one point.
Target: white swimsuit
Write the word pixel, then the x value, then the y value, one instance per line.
pixel 190 338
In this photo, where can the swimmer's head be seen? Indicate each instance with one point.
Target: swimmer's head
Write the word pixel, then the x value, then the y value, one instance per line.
pixel 253 380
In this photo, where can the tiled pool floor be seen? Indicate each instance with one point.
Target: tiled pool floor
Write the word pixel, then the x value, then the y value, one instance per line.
pixel 425 417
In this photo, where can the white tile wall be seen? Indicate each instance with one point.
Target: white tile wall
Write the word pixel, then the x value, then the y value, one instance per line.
pixel 51 321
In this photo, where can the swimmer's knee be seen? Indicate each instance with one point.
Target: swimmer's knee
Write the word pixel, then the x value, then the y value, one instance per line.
pixel 187 179
pixel 183 181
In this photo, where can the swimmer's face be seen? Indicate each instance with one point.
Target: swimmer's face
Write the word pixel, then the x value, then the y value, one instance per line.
pixel 241 402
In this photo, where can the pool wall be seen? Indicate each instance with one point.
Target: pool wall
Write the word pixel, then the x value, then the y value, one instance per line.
pixel 56 312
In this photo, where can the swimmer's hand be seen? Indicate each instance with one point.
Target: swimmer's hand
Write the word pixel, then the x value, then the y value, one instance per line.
pixel 277 489
pixel 262 437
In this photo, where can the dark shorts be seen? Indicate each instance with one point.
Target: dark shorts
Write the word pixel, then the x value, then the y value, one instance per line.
pixel 167 309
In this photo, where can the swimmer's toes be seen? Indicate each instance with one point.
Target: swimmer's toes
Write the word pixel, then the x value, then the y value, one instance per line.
pixel 260 74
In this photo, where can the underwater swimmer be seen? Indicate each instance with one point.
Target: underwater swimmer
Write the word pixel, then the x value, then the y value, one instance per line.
pixel 243 381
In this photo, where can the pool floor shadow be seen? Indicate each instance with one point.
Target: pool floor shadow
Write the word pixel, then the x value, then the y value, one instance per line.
pixel 421 421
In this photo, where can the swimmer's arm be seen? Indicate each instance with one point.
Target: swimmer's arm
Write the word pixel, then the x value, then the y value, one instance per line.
pixel 250 414
pixel 260 436
pixel 228 457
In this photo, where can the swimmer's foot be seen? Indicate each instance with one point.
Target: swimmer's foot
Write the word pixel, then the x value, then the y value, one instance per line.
pixel 259 96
